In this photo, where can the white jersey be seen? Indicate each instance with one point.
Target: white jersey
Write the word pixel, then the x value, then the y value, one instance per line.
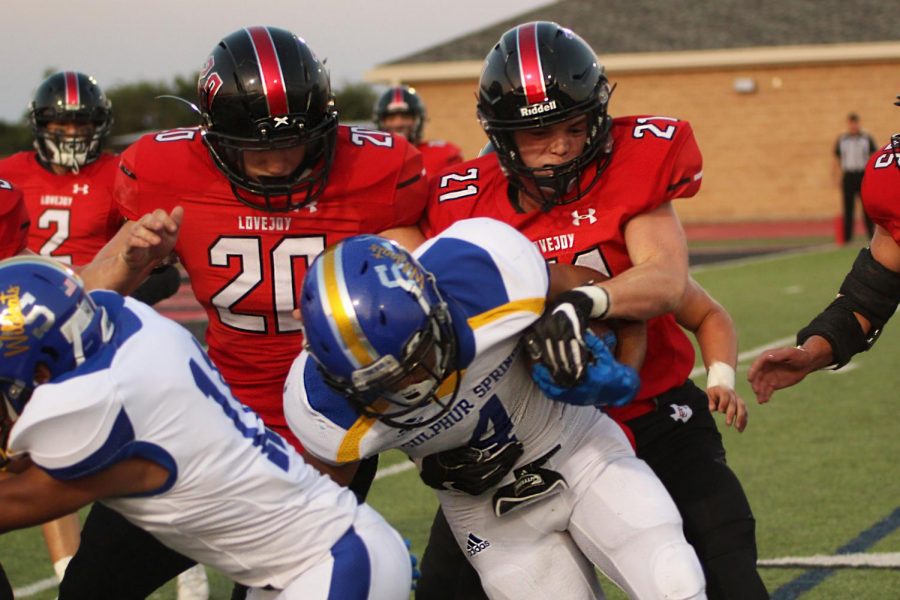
pixel 495 283
pixel 238 497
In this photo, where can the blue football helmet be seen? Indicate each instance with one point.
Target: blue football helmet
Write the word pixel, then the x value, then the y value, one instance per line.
pixel 380 332
pixel 46 317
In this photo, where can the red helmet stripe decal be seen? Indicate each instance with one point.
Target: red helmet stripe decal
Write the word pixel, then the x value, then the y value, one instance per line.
pixel 269 70
pixel 398 96
pixel 530 71
pixel 73 97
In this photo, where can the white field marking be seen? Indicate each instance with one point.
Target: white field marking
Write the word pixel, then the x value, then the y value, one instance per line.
pixel 793 290
pixel 394 469
pixel 845 369
pixel 35 588
pixel 770 257
pixel 858 560
pixel 751 353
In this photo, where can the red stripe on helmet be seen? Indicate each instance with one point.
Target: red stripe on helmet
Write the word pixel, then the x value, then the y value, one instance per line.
pixel 73 96
pixel 269 70
pixel 398 96
pixel 530 71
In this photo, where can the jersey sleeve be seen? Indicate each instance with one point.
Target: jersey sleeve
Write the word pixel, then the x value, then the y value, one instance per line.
pixel 14 221
pixel 881 191
pixel 684 165
pixel 73 429
pixel 323 420
pixel 412 189
pixel 493 272
pixel 136 189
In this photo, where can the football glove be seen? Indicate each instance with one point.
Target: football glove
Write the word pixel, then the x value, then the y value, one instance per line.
pixel 605 382
pixel 470 470
pixel 556 339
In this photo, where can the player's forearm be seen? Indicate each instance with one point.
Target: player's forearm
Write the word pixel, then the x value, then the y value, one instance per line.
pixel 819 353
pixel 717 339
pixel 644 291
pixel 110 270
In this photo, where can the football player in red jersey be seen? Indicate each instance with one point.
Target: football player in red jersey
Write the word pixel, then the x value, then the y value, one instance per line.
pixel 67 180
pixel 867 298
pixel 401 111
pixel 595 191
pixel 14 221
pixel 267 181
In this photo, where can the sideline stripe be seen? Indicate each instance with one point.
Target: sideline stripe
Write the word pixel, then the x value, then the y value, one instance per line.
pixel 812 578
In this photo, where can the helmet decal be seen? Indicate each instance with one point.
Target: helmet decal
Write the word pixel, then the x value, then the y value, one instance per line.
pixel 398 102
pixel 338 304
pixel 72 94
pixel 530 70
pixel 270 73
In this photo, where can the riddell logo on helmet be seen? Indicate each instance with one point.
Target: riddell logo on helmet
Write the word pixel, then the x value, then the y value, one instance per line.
pixel 537 109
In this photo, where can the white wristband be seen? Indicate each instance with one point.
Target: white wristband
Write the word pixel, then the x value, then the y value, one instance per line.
pixel 720 374
pixel 600 298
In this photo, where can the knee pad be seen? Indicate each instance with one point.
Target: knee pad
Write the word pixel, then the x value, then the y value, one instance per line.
pixel 676 572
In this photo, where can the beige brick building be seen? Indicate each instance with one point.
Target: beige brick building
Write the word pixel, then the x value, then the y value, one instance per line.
pixel 767 88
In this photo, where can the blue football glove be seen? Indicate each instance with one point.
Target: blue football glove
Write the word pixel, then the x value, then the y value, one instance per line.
pixel 606 381
pixel 414 562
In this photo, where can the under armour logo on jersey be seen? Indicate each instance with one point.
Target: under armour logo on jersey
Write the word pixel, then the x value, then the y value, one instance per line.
pixel 80 189
pixel 279 121
pixel 577 218
pixel 311 207
pixel 681 412
pixel 475 544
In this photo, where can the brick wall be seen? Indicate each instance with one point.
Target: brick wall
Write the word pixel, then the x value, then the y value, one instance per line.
pixel 768 155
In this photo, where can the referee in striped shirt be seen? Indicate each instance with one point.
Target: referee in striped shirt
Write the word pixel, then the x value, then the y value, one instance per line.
pixel 852 151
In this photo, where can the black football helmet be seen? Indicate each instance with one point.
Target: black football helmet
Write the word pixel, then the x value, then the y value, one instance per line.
pixel 69 97
pixel 262 89
pixel 895 141
pixel 541 74
pixel 401 100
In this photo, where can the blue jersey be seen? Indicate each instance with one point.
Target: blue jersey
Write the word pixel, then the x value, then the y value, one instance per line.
pixel 495 283
pixel 237 498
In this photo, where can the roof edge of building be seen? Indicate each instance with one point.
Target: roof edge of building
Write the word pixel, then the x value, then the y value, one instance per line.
pixel 663 61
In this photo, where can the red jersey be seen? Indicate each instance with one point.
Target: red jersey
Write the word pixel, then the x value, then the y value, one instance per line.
pixel 438 155
pixel 13 220
pixel 74 215
pixel 654 160
pixel 247 265
pixel 881 190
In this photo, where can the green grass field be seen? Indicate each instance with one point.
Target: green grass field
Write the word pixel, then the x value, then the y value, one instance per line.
pixel 819 462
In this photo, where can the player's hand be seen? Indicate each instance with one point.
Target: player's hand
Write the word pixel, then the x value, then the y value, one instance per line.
pixel 556 339
pixel 777 369
pixel 729 403
pixel 152 238
pixel 606 381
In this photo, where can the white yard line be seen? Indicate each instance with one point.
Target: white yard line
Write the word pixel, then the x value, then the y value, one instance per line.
pixel 394 469
pixel 35 588
pixel 770 257
pixel 858 560
pixel 752 352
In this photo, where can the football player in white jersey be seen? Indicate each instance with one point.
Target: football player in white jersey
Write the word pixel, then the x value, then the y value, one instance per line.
pixel 421 352
pixel 105 400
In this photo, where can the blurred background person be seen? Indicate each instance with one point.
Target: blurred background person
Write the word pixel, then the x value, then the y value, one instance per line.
pixel 401 111
pixel 851 153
